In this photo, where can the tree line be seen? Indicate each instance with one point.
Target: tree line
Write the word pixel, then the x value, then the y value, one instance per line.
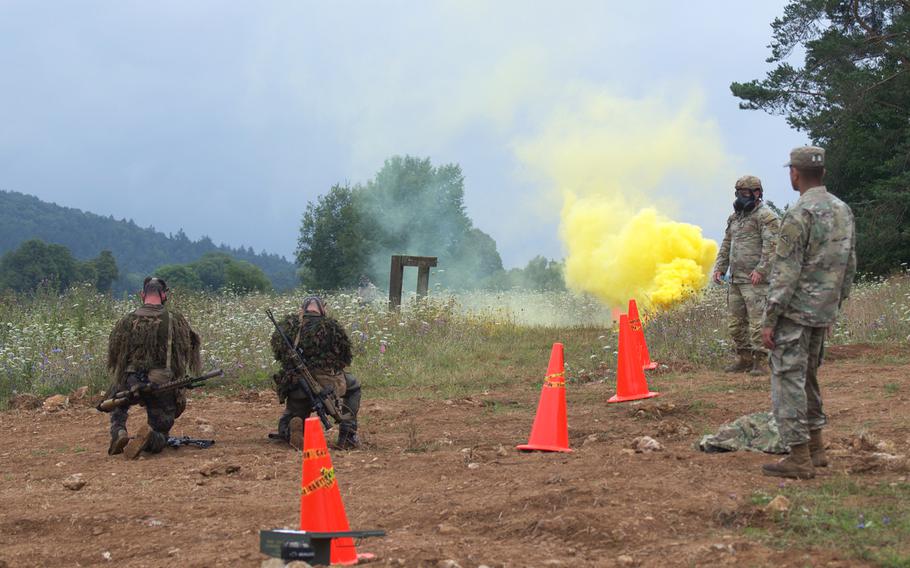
pixel 409 207
pixel 36 264
pixel 138 251
pixel 851 95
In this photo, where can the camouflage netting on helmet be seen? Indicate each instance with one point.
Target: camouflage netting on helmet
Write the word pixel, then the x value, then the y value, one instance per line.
pixel 324 342
pixel 755 432
pixel 139 341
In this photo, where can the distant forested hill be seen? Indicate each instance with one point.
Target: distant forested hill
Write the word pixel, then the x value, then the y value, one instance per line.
pixel 138 251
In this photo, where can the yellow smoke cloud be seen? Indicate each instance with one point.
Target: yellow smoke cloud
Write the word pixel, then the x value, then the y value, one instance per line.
pixel 618 166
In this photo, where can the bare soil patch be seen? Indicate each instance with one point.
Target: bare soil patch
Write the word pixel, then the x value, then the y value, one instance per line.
pixel 416 478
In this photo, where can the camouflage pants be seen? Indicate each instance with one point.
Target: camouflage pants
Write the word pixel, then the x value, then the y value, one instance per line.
pixel 746 303
pixel 795 396
pixel 162 410
pixel 298 405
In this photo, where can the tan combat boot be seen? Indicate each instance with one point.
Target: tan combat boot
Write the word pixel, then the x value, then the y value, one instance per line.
pixel 817 449
pixel 742 363
pixel 759 365
pixel 296 433
pixel 798 465
pixel 135 446
pixel 118 442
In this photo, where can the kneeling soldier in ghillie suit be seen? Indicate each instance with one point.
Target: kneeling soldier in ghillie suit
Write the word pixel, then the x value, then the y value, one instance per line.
pixel 327 351
pixel 150 344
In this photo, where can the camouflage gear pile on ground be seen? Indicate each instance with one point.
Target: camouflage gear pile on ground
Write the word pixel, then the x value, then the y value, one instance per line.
pixel 151 344
pixel 748 246
pixel 813 272
pixel 754 432
pixel 326 351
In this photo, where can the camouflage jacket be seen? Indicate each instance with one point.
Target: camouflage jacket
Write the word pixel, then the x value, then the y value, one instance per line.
pixel 815 261
pixel 323 340
pixel 748 244
pixel 151 337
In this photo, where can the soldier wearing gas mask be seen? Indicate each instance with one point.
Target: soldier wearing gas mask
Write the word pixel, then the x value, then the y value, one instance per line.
pixel 746 253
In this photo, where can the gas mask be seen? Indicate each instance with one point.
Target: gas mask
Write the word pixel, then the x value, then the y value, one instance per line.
pixel 745 204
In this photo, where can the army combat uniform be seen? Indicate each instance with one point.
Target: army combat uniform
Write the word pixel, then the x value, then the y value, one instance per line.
pixel 151 344
pixel 748 246
pixel 813 272
pixel 327 351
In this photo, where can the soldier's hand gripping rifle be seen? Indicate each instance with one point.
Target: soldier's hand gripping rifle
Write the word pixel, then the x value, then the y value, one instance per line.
pixel 321 399
pixel 133 395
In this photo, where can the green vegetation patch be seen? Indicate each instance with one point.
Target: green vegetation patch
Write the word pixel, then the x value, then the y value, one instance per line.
pixel 869 522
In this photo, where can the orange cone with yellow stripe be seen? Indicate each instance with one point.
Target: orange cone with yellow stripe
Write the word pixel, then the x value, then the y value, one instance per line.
pixel 638 337
pixel 321 509
pixel 630 378
pixel 550 432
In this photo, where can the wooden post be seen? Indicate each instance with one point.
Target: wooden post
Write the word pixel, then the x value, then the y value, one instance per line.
pixel 396 275
pixel 423 280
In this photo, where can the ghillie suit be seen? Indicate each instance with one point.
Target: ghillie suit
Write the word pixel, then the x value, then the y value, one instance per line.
pixel 153 345
pixel 327 351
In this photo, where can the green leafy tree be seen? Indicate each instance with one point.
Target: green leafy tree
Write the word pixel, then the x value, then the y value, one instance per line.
pixel 215 271
pixel 104 271
pixel 35 263
pixel 333 250
pixel 851 94
pixel 417 208
pixel 180 276
pixel 242 276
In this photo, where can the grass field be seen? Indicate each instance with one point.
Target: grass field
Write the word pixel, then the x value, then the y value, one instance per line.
pixel 448 344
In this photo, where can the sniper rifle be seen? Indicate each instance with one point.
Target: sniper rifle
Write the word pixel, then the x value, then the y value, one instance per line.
pixel 133 395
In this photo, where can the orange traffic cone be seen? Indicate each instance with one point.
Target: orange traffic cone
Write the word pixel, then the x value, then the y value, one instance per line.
pixel 638 334
pixel 630 378
pixel 321 509
pixel 550 432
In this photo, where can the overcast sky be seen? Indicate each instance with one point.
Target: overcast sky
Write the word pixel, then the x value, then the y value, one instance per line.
pixel 225 118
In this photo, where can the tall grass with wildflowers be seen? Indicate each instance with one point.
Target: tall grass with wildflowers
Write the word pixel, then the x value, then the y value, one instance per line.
pixel 444 345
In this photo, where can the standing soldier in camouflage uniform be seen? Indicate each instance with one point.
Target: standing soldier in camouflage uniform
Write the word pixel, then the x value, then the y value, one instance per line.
pixel 812 276
pixel 150 344
pixel 326 351
pixel 746 251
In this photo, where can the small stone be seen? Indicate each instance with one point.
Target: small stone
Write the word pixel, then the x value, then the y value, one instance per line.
pixel 501 451
pixel 25 402
pixel 74 482
pixel 625 560
pixel 206 428
pixel 627 451
pixel 444 528
pixel 173 552
pixel 473 465
pixel 719 547
pixel 272 563
pixel 644 444
pixel 97 531
pixel 447 564
pixel 55 403
pixel 107 556
pixel 779 504
pixel 592 438
pixel 298 564
pixel 79 394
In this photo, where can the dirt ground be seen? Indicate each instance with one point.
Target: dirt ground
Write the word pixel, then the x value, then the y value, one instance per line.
pixel 433 475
